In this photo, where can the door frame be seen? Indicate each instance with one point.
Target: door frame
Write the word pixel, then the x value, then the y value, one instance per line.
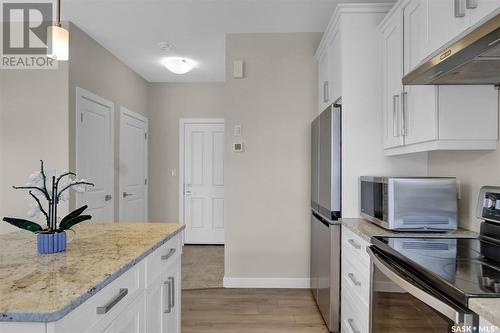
pixel 182 123
pixel 140 117
pixel 82 93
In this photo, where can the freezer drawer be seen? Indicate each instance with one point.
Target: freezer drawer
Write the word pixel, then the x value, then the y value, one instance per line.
pixel 325 269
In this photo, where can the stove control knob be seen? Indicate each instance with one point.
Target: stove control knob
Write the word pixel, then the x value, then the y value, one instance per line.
pixel 489 203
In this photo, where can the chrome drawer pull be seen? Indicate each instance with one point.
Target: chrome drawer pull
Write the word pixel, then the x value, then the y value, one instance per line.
pixel 350 321
pixel 172 291
pixel 354 244
pixel 353 279
pixel 166 285
pixel 106 308
pixel 168 255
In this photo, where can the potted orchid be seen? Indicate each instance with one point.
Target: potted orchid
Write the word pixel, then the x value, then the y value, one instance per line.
pixel 47 186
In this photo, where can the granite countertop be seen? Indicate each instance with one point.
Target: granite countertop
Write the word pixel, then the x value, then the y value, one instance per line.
pixel 488 308
pixel 44 288
pixel 366 230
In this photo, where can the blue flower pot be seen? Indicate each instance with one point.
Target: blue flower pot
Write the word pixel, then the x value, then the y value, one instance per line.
pixel 51 243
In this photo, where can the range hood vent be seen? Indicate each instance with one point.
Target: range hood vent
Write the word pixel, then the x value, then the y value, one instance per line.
pixel 472 59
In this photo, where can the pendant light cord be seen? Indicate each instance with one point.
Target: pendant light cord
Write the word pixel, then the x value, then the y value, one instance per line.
pixel 58 13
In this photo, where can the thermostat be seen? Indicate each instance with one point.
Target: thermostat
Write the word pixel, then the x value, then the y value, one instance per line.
pixel 238 147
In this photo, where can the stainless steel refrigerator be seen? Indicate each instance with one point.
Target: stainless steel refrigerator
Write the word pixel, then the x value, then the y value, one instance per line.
pixel 326 209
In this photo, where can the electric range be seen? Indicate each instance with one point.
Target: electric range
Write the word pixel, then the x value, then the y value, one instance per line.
pixel 438 275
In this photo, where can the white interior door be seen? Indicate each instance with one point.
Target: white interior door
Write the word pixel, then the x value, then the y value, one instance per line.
pixel 94 154
pixel 203 186
pixel 133 167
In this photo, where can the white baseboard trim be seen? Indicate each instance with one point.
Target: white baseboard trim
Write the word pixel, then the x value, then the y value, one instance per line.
pixel 289 283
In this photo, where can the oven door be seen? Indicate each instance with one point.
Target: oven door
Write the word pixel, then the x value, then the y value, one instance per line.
pixel 402 303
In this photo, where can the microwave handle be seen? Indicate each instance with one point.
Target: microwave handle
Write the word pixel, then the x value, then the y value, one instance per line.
pixel 457 316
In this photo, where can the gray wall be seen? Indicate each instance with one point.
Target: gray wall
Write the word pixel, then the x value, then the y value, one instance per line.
pixel 169 102
pixel 33 126
pixel 473 170
pixel 267 187
pixel 97 70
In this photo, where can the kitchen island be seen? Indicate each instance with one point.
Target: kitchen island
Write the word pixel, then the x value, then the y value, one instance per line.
pixel 112 274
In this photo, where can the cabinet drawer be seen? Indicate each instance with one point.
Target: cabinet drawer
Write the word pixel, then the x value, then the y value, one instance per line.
pixel 355 315
pixel 111 300
pixel 356 280
pixel 158 261
pixel 354 247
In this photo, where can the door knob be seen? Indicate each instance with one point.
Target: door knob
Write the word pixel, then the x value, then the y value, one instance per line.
pixel 108 197
pixel 189 193
pixel 125 194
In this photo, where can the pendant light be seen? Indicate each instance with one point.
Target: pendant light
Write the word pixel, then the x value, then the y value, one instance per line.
pixel 59 38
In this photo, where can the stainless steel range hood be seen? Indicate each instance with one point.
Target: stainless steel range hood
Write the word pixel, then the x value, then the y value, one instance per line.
pixel 472 59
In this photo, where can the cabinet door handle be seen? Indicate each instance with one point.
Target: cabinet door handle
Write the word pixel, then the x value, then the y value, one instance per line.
pixel 354 244
pixel 395 127
pixel 459 8
pixel 354 280
pixel 350 321
pixel 471 4
pixel 325 92
pixel 404 115
pixel 106 308
pixel 172 291
pixel 166 298
pixel 168 255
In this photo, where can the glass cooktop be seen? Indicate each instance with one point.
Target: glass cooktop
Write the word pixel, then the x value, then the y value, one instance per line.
pixel 461 268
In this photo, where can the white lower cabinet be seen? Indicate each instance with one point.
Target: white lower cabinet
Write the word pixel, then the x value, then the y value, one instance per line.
pixel 131 320
pixel 144 299
pixel 355 282
pixel 163 301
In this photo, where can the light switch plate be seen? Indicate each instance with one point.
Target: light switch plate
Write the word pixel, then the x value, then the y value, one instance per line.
pixel 238 69
pixel 237 130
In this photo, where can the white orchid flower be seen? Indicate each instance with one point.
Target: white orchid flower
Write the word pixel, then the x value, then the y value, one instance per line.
pixel 35 177
pixel 34 211
pixel 50 173
pixel 64 196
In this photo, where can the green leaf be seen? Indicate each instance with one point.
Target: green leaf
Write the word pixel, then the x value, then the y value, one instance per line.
pixel 24 224
pixel 73 214
pixel 70 223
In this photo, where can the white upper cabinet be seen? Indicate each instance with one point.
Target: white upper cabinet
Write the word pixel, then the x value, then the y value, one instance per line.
pixel 482 8
pixel 334 67
pixel 419 102
pixel 425 118
pixel 446 19
pixel 392 49
pixel 323 84
pixel 449 18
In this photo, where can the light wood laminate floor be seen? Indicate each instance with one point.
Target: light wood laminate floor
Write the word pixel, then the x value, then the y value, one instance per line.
pixel 250 311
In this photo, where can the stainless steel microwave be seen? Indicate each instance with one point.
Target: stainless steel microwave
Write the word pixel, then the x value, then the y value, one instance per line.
pixel 410 203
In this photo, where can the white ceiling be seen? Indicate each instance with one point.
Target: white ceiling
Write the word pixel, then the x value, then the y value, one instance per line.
pixel 131 29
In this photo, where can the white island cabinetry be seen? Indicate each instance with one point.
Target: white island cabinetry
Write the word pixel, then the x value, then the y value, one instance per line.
pixel 127 284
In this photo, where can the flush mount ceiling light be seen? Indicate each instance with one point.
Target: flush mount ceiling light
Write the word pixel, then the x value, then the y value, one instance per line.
pixel 58 38
pixel 178 65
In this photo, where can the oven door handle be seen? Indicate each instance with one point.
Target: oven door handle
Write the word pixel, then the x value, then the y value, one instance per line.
pixel 457 316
